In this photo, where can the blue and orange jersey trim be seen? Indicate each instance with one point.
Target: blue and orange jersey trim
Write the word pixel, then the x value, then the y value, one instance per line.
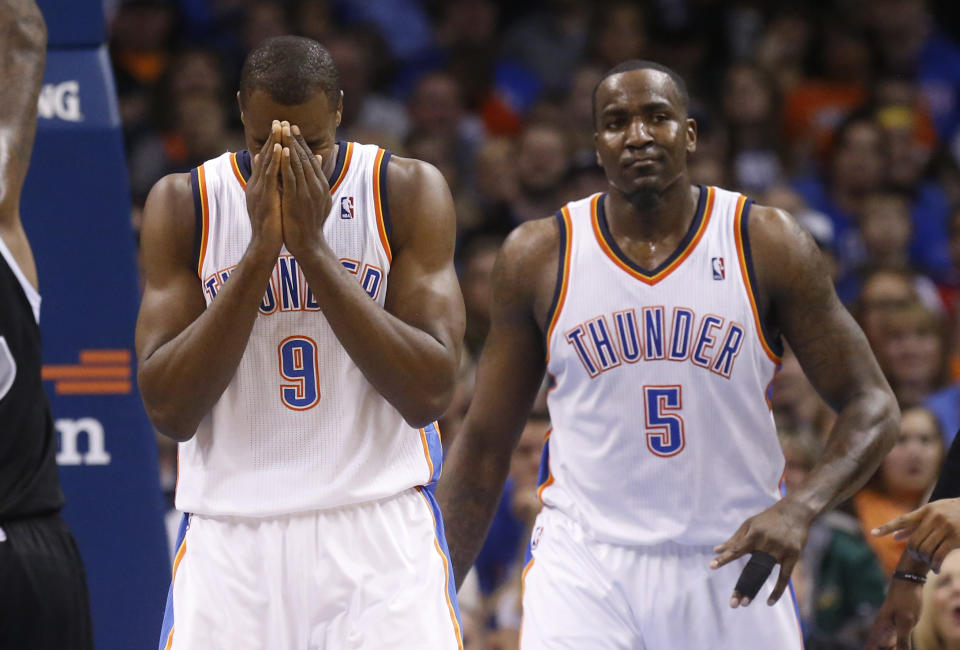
pixel 432 450
pixel 563 274
pixel 771 345
pixel 235 162
pixel 545 478
pixel 440 544
pixel 201 212
pixel 384 227
pixel 701 218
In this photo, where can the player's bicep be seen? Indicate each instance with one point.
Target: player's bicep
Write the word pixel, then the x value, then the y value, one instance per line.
pixel 827 341
pixel 172 296
pixel 422 288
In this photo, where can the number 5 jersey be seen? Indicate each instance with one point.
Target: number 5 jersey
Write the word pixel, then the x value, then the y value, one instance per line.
pixel 661 426
pixel 299 427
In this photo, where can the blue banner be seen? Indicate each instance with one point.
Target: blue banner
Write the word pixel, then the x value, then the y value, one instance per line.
pixel 74 23
pixel 76 210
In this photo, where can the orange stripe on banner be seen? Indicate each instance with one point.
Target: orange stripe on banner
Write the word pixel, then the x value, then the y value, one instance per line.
pixel 205 212
pixel 378 205
pixel 653 279
pixel 105 356
pixel 446 574
pixel 741 258
pixel 92 387
pixel 236 171
pixel 86 372
pixel 343 171
pixel 565 281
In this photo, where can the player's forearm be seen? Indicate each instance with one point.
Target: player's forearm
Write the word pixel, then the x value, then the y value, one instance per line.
pixel 182 379
pixel 23 44
pixel 412 369
pixel 865 430
pixel 469 490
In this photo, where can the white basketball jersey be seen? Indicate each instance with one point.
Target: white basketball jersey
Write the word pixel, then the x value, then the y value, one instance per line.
pixel 661 426
pixel 299 427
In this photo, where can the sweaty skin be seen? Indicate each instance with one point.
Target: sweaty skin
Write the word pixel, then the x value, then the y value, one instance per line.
pixel 643 136
pixel 409 351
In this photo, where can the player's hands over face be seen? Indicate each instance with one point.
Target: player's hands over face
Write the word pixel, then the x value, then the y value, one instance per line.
pixel 931 531
pixel 306 196
pixel 897 617
pixel 780 530
pixel 263 194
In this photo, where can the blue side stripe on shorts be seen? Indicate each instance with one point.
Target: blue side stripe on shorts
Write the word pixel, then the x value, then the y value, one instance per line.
pixel 427 492
pixel 167 624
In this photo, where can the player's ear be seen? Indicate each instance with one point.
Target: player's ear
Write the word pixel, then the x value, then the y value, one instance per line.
pixel 691 135
pixel 596 150
pixel 240 104
pixel 340 108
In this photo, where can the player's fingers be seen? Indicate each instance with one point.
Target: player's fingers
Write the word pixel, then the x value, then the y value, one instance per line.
pixel 296 161
pixel 909 520
pixel 786 570
pixel 308 158
pixel 271 169
pixel 727 556
pixel 286 170
pixel 754 574
pixel 929 545
pixel 903 533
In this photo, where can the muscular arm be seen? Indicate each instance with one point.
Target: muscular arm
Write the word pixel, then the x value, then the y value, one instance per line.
pixel 189 352
pixel 408 351
pixel 802 304
pixel 509 374
pixel 23 46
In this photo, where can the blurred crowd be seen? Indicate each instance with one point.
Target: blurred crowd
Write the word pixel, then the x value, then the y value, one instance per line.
pixel 846 113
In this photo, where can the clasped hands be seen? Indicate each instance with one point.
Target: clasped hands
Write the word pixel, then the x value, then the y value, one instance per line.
pixel 288 195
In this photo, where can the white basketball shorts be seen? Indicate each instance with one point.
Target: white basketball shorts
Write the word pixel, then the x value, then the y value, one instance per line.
pixel 580 593
pixel 368 576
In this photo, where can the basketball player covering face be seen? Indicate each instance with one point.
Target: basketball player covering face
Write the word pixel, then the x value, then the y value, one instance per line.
pixel 299 334
pixel 657 310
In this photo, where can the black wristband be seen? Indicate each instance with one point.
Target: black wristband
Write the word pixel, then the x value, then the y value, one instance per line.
pixel 910 577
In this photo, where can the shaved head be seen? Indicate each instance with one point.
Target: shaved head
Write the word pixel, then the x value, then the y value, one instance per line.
pixel 639 64
pixel 290 69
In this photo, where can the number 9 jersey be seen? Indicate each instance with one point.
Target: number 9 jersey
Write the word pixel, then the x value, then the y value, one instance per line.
pixel 662 430
pixel 299 427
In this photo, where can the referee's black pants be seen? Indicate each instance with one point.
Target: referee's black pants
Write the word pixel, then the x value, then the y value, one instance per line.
pixel 44 603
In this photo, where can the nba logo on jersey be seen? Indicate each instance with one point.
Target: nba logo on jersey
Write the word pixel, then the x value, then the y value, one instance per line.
pixel 346 207
pixel 718 272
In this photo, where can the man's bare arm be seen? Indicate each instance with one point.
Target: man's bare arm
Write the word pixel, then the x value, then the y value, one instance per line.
pixel 833 353
pixel 409 351
pixel 188 352
pixel 798 297
pixel 510 371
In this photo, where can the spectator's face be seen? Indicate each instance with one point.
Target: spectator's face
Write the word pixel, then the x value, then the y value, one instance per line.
pixel 911 348
pixel 880 294
pixel 747 99
pixel 946 599
pixel 525 462
pixel 317 118
pixel 885 226
pixel 543 160
pixel 857 161
pixel 906 157
pixel 911 466
pixel 476 282
pixel 435 105
pixel 643 134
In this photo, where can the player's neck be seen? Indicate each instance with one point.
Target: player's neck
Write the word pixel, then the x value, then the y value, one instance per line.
pixel 655 215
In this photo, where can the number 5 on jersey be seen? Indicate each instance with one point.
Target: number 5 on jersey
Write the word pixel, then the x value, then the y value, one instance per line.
pixel 298 364
pixel 664 426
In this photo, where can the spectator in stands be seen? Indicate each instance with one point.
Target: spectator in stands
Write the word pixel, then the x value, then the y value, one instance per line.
pixel 751 112
pixel 939 624
pixel 912 351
